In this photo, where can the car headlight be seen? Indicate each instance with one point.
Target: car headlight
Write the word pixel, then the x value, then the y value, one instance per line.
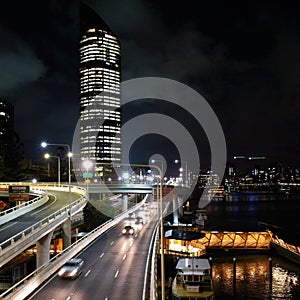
pixel 74 272
pixel 131 231
pixel 61 272
pixel 124 231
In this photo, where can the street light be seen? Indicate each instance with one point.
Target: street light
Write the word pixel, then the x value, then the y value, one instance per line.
pixel 44 145
pixel 153 161
pixel 87 164
pixel 47 156
pixel 181 169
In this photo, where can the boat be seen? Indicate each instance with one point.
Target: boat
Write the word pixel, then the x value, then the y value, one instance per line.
pixel 283 242
pixel 193 279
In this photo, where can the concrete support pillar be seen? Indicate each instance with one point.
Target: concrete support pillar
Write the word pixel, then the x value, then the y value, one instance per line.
pixel 180 206
pixel 66 227
pixel 43 250
pixel 125 202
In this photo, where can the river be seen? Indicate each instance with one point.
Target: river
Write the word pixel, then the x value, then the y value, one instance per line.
pixel 242 212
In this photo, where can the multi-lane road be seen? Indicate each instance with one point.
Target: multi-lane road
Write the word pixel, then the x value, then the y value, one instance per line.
pixel 114 265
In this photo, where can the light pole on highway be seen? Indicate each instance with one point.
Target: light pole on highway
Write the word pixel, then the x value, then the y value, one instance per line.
pixel 162 253
pixel 87 164
pixel 44 145
pixel 47 156
pixel 185 169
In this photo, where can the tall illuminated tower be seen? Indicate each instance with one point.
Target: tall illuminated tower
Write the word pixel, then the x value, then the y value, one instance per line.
pixel 6 128
pixel 100 99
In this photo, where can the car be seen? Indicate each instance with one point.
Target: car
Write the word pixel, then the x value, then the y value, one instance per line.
pixel 139 220
pixel 128 229
pixel 71 269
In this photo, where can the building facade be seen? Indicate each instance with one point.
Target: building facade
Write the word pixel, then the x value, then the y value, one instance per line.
pixel 6 127
pixel 100 99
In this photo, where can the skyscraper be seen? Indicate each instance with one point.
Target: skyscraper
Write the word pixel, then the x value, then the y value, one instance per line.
pixel 8 142
pixel 6 127
pixel 100 99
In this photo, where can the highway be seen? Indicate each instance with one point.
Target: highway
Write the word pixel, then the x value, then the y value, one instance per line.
pixel 114 265
pixel 57 200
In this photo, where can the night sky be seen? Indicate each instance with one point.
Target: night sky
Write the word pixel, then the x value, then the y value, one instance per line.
pixel 242 57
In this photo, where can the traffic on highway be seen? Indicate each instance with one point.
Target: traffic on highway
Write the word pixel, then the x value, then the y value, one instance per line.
pixel 113 265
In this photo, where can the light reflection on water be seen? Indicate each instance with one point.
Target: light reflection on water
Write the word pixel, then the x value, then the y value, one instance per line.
pixel 253 278
pixel 243 212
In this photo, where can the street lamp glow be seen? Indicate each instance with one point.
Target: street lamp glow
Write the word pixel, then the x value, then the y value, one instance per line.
pixel 125 175
pixel 47 155
pixel 87 164
pixel 176 161
pixel 44 144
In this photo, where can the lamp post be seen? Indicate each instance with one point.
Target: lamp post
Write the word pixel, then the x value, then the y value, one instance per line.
pixel 87 164
pixel 185 169
pixel 44 145
pixel 153 161
pixel 47 156
pixel 162 254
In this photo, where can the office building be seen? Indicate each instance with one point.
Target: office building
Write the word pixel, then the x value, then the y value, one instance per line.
pixel 6 128
pixel 100 99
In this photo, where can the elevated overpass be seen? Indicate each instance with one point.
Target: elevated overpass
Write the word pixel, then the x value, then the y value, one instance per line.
pixel 34 280
pixel 40 232
pixel 36 223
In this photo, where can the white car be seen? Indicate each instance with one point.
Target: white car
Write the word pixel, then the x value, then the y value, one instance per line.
pixel 72 268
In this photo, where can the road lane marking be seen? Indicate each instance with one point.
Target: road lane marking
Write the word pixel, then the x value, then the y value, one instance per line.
pixel 69 297
pixel 131 243
pixel 55 198
pixel 8 226
pixel 117 273
pixel 102 255
pixel 124 256
pixel 112 243
pixel 87 273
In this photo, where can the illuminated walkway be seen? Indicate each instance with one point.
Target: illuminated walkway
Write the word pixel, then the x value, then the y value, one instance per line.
pixel 219 240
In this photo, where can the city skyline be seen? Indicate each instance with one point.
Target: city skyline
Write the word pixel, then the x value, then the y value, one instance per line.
pixel 242 60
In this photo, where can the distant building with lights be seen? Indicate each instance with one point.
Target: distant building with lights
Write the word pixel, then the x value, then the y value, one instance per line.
pixel 100 99
pixel 6 128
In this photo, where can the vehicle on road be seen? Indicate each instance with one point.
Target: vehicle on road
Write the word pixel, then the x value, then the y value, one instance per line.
pixel 127 230
pixel 139 220
pixel 71 269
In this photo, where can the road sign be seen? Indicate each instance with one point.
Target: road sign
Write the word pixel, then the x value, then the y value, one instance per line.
pixel 87 175
pixel 18 197
pixel 18 193
pixel 18 189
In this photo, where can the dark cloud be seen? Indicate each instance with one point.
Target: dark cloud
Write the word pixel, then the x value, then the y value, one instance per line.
pixel 18 61
pixel 243 58
pixel 39 69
